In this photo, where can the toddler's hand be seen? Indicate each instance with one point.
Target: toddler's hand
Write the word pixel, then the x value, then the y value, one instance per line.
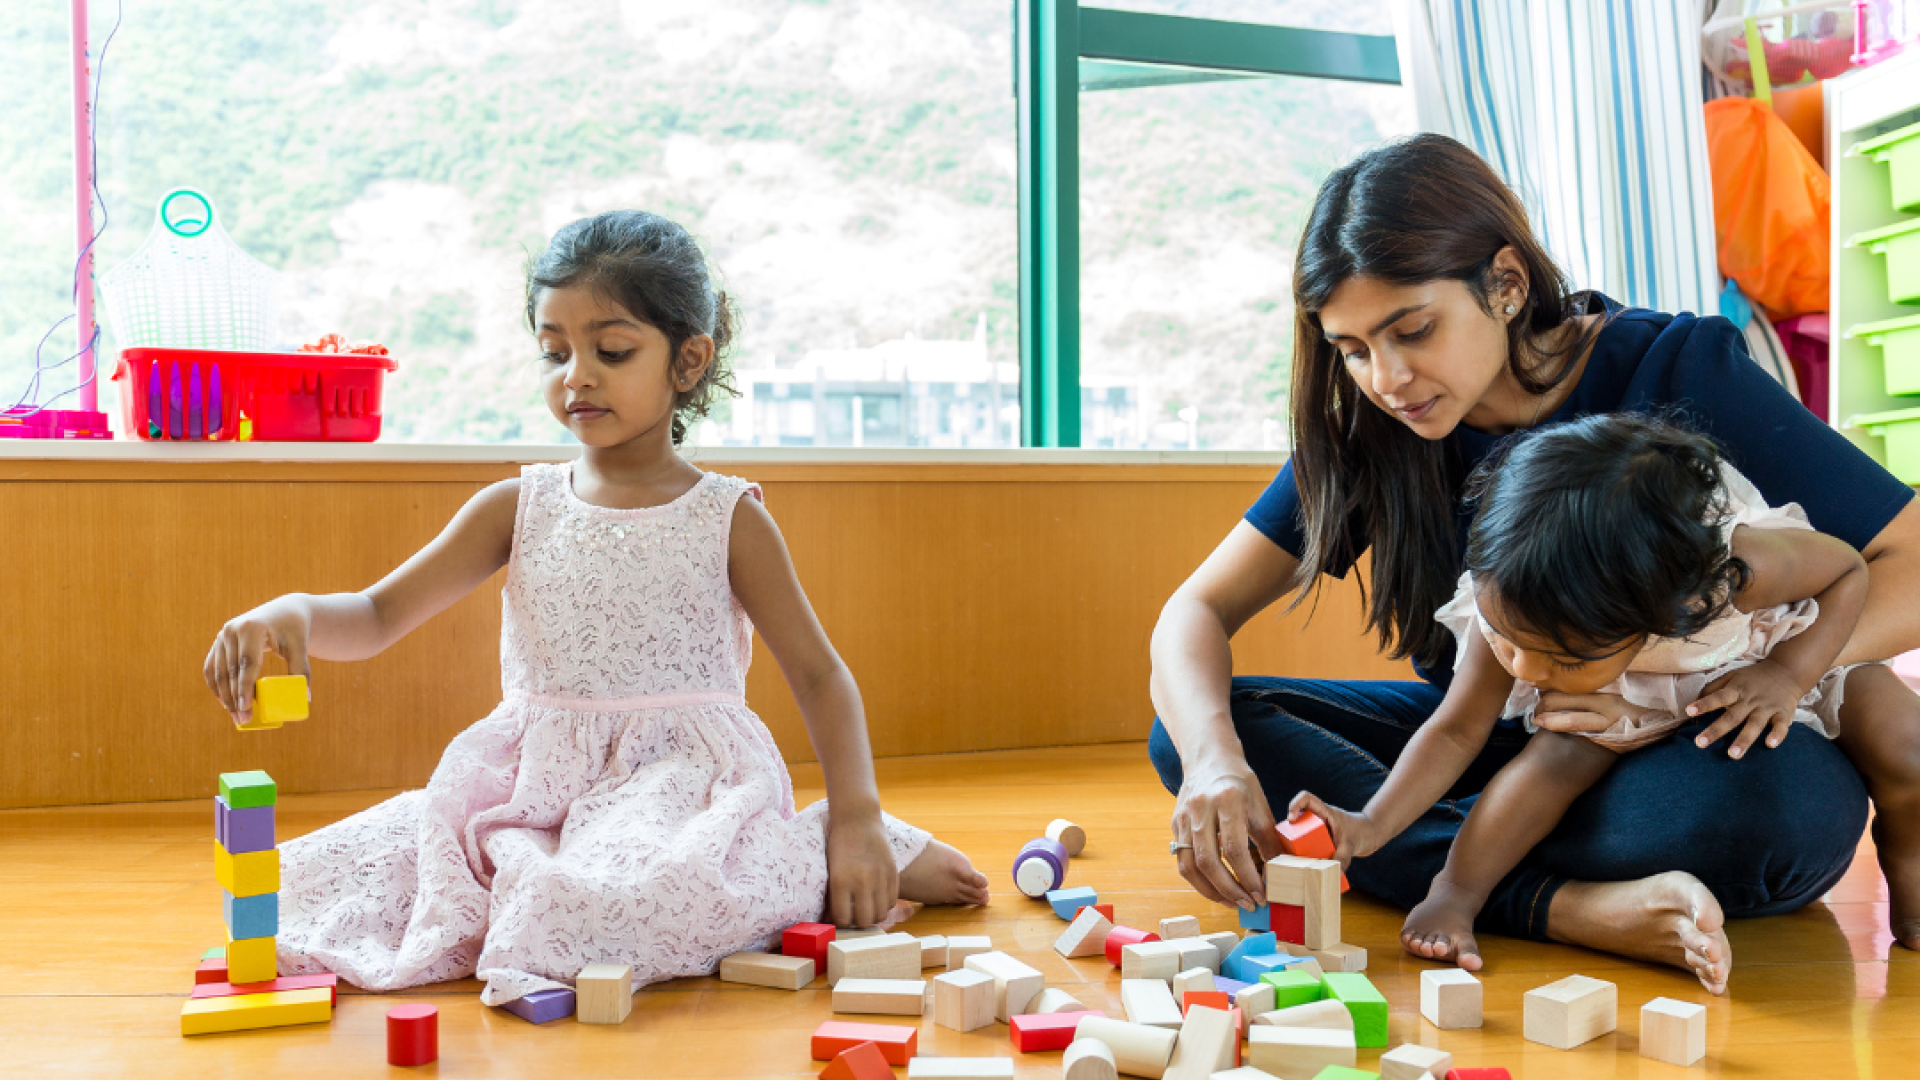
pixel 233 664
pixel 1760 698
pixel 1354 835
pixel 862 880
pixel 1584 714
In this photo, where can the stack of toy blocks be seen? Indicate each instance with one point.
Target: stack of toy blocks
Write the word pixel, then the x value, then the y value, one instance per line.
pixel 247 864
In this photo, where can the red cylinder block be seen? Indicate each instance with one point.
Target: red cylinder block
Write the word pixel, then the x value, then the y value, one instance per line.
pixel 1122 936
pixel 413 1035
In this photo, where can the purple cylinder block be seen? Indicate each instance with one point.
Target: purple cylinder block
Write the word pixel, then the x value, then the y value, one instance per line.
pixel 1040 867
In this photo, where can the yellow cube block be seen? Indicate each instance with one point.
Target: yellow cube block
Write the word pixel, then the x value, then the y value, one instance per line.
pixel 250 873
pixel 252 960
pixel 257 724
pixel 278 699
pixel 240 1012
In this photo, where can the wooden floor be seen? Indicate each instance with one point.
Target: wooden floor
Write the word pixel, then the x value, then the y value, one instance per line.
pixel 105 910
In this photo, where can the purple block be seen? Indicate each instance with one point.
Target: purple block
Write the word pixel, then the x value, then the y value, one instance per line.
pixel 1228 986
pixel 247 829
pixel 542 1006
pixel 1040 867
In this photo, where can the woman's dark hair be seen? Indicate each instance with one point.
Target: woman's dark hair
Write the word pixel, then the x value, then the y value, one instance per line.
pixel 1415 210
pixel 1604 529
pixel 652 268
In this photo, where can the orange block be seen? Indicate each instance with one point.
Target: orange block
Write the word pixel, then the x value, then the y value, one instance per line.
pixel 834 1037
pixel 862 1061
pixel 1308 838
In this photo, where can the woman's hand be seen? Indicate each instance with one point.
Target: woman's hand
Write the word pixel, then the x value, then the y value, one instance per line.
pixel 1584 714
pixel 1759 698
pixel 1355 836
pixel 862 880
pixel 233 664
pixel 1220 812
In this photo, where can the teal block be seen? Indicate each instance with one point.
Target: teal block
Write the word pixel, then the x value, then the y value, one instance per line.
pixel 250 916
pixel 1256 919
pixel 1068 902
pixel 1364 1002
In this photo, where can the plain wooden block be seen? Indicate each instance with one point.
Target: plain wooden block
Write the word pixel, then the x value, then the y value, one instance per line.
pixel 893 997
pixel 1180 926
pixel 898 1044
pixel 1411 1061
pixel 1244 1072
pixel 1572 1011
pixel 1450 998
pixel 1067 835
pixel 1138 1050
pixel 1206 1045
pixel 1314 886
pixel 245 1012
pixel 1197 952
pixel 1015 985
pixel 1191 980
pixel 1255 999
pixel 1054 1000
pixel 1088 1059
pixel 1298 1053
pixel 861 1061
pixel 1673 1031
pixel 933 951
pixel 961 947
pixel 1086 935
pixel 963 1000
pixel 1339 956
pixel 885 956
pixel 603 994
pixel 1222 941
pixel 1328 1014
pixel 767 969
pixel 960 1068
pixel 1150 960
pixel 1150 1002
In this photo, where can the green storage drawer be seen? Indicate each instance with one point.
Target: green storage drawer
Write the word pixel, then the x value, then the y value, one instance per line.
pixel 1899 342
pixel 1899 151
pixel 1900 243
pixel 1901 429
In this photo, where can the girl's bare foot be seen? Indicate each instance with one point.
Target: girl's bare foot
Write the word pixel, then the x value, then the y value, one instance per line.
pixel 942 875
pixel 1896 836
pixel 1668 918
pixel 1441 928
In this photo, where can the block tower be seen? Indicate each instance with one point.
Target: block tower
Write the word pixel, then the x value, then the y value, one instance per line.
pixel 246 862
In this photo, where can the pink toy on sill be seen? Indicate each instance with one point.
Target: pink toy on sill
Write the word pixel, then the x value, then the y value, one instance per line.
pixel 1882 29
pixel 27 422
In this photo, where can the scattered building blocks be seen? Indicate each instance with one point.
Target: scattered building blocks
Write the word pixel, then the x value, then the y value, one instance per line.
pixel 963 1000
pixel 897 1044
pixel 960 1068
pixel 251 960
pixel 808 939
pixel 244 1012
pixel 883 956
pixel 241 831
pixel 280 699
pixel 1310 884
pixel 1015 985
pixel 1067 903
pixel 1411 1061
pixel 1040 867
pixel 1673 1031
pixel 543 1006
pixel 1293 1053
pixel 331 983
pixel 1088 1059
pixel 1071 838
pixel 1293 988
pixel 247 789
pixel 1254 998
pixel 210 971
pixel 1364 1001
pixel 1119 937
pixel 1150 960
pixel 251 916
pixel 1450 998
pixel 1138 1050
pixel 892 997
pixel 1572 1011
pixel 1150 1002
pixel 861 1061
pixel 1179 926
pixel 1337 957
pixel 1259 967
pixel 1196 952
pixel 1208 1042
pixel 1252 945
pixel 1232 987
pixel 603 993
pixel 1223 941
pixel 780 972
pixel 933 951
pixel 1209 999
pixel 959 948
pixel 1324 1013
pixel 413 1035
pixel 1052 1000
pixel 1306 965
pixel 1191 980
pixel 1036 1033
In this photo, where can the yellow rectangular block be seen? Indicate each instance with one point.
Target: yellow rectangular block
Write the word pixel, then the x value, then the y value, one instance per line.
pixel 251 960
pixel 278 699
pixel 250 873
pixel 241 1012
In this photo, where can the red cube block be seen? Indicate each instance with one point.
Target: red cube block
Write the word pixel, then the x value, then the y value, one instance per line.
pixel 1212 999
pixel 1122 936
pixel 413 1035
pixel 1036 1033
pixel 1478 1074
pixel 861 1061
pixel 1308 838
pixel 808 939
pixel 834 1037
pixel 1288 923
pixel 210 971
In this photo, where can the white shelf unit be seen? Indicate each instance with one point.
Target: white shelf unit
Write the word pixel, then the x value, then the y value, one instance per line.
pixel 1860 105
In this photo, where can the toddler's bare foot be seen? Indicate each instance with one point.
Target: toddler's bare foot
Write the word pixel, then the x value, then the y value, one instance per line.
pixel 942 875
pixel 1896 834
pixel 1668 918
pixel 1441 928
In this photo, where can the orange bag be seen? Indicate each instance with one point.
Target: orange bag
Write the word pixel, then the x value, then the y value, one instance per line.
pixel 1771 202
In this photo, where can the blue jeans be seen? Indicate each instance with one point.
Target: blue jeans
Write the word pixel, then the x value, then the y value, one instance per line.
pixel 1766 835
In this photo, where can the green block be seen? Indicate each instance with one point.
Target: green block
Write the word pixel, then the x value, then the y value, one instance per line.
pixel 1368 1008
pixel 247 789
pixel 1341 1072
pixel 1294 988
pixel 218 952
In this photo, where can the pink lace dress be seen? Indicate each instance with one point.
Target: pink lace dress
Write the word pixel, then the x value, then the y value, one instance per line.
pixel 622 803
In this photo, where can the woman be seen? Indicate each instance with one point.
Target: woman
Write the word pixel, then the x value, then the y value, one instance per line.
pixel 1429 323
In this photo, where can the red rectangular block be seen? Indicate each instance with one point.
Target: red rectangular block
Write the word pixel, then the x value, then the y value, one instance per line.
pixel 210 971
pixel 834 1036
pixel 1037 1033
pixel 808 939
pixel 284 982
pixel 1288 923
pixel 1478 1074
pixel 1212 999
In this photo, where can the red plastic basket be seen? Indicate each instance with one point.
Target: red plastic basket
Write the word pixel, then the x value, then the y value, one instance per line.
pixel 213 395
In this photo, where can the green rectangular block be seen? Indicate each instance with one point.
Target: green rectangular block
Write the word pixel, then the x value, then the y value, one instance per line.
pixel 1294 988
pixel 244 789
pixel 1363 1002
pixel 1341 1072
pixel 218 952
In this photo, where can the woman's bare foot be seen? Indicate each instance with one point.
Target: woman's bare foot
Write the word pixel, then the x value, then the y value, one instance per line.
pixel 942 875
pixel 1441 928
pixel 1896 836
pixel 1668 918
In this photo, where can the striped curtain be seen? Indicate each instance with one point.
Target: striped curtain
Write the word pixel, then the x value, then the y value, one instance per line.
pixel 1591 110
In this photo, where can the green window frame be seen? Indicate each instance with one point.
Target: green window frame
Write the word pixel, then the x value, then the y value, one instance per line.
pixel 1062 49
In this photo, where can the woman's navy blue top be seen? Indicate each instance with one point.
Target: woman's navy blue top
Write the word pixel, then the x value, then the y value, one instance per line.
pixel 1699 372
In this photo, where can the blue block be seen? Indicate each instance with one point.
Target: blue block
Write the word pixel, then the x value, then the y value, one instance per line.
pixel 251 916
pixel 1234 966
pixel 542 1006
pixel 1228 986
pixel 1255 966
pixel 1256 919
pixel 1068 902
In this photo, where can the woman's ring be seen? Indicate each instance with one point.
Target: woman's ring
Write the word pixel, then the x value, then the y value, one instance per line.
pixel 1175 847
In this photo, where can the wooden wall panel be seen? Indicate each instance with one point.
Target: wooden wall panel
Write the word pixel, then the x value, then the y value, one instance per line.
pixel 979 608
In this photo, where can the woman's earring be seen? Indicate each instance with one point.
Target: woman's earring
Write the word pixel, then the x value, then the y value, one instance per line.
pixel 1509 309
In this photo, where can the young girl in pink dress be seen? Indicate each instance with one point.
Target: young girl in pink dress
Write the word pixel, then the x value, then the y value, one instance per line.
pixel 623 803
